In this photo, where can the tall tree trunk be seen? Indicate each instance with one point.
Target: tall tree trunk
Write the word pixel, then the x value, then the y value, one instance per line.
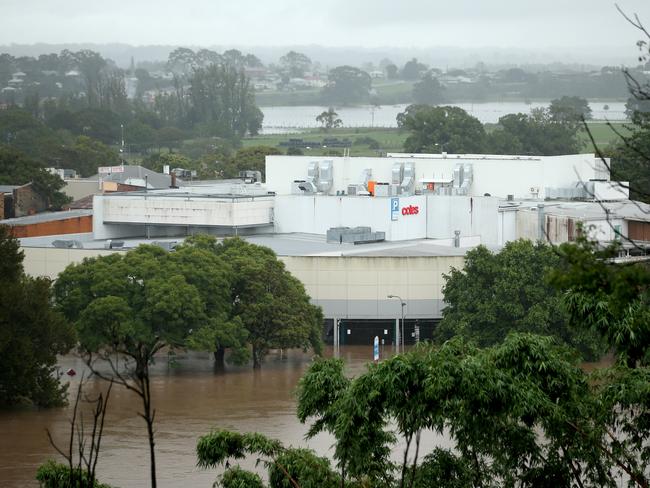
pixel 257 357
pixel 220 358
pixel 149 416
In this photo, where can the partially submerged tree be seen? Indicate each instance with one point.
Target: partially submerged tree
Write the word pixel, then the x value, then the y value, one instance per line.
pixel 32 333
pixel 266 299
pixel 507 291
pixel 129 307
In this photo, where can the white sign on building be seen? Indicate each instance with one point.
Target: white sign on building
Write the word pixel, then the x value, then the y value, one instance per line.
pixel 107 170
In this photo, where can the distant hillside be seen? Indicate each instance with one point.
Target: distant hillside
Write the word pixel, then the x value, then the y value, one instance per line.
pixel 440 57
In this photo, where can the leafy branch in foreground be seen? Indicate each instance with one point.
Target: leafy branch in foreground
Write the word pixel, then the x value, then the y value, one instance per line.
pixel 522 413
pixel 287 467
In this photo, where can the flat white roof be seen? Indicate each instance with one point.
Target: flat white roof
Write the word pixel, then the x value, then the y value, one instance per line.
pixel 281 244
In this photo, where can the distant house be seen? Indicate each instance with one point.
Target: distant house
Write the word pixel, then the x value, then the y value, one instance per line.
pixel 6 201
pixel 20 200
pixel 255 73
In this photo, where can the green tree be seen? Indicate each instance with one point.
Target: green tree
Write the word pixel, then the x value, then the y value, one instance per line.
pixel 392 71
pixel 140 136
pixel 295 64
pixel 99 123
pixel 250 158
pixel 57 475
pixel 157 162
pixel 522 413
pixel 181 60
pixel 90 64
pixel 570 110
pixel 170 137
pixel 85 155
pixel 347 85
pixel 606 297
pixel 270 303
pixel 32 333
pixel 18 169
pixel 435 129
pixel 537 134
pixel 499 293
pixel 329 119
pixel 210 274
pixel 223 99
pixel 428 91
pixel 630 155
pixel 126 308
pixel 287 467
pixel 413 69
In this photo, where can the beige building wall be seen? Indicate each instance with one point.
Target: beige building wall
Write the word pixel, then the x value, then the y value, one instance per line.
pixel 345 286
pixel 357 286
pixel 78 189
pixel 50 261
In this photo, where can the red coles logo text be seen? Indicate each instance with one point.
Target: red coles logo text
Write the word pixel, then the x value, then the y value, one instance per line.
pixel 410 210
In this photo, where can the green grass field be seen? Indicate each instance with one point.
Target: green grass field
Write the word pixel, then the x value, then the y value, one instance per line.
pixel 390 140
pixel 603 134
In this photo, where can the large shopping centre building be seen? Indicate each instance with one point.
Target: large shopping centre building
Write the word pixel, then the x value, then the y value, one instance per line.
pixel 356 230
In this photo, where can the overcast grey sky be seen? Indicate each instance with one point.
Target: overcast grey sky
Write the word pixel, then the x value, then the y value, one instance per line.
pixel 368 23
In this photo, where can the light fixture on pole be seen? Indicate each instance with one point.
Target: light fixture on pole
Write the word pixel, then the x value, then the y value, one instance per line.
pixel 403 304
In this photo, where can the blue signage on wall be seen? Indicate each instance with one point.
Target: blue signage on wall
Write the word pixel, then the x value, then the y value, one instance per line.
pixel 394 208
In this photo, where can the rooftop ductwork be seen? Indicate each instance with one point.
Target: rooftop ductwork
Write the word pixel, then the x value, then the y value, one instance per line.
pixel 355 235
pixel 458 175
pixel 320 178
pixel 407 186
pixel 397 173
pixel 325 177
pixel 250 176
pixel 468 178
pixel 366 175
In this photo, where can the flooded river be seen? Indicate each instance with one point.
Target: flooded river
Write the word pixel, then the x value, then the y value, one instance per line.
pixel 287 118
pixel 190 398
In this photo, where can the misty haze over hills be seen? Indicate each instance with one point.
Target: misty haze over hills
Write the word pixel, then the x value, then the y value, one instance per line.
pixel 441 57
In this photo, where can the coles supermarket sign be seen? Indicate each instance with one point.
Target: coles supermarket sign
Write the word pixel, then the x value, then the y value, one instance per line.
pixel 395 209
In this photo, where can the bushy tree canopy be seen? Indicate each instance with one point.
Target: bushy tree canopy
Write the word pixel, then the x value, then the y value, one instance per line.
pixel 18 169
pixel 428 91
pixel 508 291
pixel 347 85
pixel 538 134
pixel 31 333
pixel 438 129
pixel 269 302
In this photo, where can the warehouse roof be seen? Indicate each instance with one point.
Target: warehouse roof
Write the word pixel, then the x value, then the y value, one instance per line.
pixel 47 217
pixel 284 245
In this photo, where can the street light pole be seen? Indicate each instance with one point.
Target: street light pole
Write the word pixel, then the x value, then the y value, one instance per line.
pixel 403 304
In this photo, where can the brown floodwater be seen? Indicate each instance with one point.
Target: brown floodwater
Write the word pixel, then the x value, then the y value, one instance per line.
pixel 190 399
